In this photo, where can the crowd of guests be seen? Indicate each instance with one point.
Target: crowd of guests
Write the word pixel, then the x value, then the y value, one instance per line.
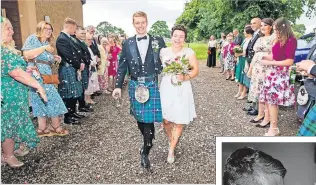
pixel 87 66
pixel 261 63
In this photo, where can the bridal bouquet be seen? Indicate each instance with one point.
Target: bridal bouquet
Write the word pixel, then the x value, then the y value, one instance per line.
pixel 178 65
pixel 237 49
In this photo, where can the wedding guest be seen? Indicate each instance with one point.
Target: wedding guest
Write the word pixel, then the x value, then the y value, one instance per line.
pixel 70 87
pixel 103 67
pixel 17 130
pixel 262 169
pixel 246 81
pixel 238 39
pixel 38 50
pixel 115 49
pixel 223 43
pixel 229 58
pixel 211 59
pixel 241 60
pixel 257 72
pixel 177 102
pixel 93 79
pixel 255 25
pixel 277 89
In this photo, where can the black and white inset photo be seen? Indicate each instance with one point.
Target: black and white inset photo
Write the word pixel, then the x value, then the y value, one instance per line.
pixel 265 161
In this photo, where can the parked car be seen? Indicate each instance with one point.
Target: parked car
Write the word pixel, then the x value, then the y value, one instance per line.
pixel 304 44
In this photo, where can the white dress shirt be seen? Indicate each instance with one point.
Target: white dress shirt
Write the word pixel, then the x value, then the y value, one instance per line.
pixel 212 43
pixel 142 47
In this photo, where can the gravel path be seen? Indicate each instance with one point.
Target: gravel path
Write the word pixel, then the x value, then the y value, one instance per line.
pixel 105 149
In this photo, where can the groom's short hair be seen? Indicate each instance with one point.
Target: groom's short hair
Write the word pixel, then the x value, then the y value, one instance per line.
pixel 249 166
pixel 139 14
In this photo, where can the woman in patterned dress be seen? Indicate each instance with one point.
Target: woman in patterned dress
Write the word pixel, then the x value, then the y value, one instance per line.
pixel 277 89
pixel 38 49
pixel 17 128
pixel 229 58
pixel 262 47
pixel 104 49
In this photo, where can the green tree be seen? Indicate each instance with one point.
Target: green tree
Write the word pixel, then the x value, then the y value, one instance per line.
pixel 160 28
pixel 300 28
pixel 207 17
pixel 105 28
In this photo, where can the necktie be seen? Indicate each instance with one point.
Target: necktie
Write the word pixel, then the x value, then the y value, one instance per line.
pixel 141 38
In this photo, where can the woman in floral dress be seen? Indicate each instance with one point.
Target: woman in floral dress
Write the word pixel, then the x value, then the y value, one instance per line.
pixel 262 47
pixel 277 89
pixel 37 48
pixel 229 58
pixel 17 128
pixel 104 49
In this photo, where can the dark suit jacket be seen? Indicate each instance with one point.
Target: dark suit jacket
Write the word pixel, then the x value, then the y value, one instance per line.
pixel 130 60
pixel 238 40
pixel 68 51
pixel 84 54
pixel 94 48
pixel 250 52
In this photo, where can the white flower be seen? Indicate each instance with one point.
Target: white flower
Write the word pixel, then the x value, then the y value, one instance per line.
pixel 155 45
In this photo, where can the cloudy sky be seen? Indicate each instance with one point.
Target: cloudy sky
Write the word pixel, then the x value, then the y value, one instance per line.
pixel 119 12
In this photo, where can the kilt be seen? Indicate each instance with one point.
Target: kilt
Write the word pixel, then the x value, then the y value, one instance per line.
pixel 85 78
pixel 308 127
pixel 69 86
pixel 150 111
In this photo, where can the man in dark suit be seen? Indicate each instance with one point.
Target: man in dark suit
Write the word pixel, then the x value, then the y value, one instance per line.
pixel 79 39
pixel 255 25
pixel 140 56
pixel 237 37
pixel 70 88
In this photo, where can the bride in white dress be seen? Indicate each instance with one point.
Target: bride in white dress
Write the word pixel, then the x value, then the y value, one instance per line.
pixel 177 102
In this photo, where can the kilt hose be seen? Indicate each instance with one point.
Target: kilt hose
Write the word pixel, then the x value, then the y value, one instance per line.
pixel 308 128
pixel 150 111
pixel 85 83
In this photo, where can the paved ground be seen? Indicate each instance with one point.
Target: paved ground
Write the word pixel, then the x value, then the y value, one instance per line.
pixel 105 149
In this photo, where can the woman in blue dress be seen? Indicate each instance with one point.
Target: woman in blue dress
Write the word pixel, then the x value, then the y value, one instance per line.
pixel 39 52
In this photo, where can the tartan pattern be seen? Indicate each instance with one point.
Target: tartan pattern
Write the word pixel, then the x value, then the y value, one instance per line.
pixel 150 111
pixel 69 86
pixel 308 127
pixel 85 78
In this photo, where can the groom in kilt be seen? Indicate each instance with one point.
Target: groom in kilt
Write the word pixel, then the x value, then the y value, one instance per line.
pixel 70 88
pixel 140 57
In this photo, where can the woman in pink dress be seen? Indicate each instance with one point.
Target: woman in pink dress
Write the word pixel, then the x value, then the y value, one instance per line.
pixel 115 49
pixel 277 89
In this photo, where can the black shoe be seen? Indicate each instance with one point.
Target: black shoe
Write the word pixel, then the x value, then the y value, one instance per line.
pixel 247 110
pixel 260 126
pixel 85 109
pixel 76 115
pixel 71 120
pixel 254 121
pixel 97 93
pixel 249 101
pixel 144 161
pixel 253 112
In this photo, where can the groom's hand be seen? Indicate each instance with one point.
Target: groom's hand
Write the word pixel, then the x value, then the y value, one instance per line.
pixel 117 93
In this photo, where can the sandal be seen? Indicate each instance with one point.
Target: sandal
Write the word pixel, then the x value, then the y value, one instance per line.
pixel 274 134
pixel 43 133
pixel 22 151
pixel 62 132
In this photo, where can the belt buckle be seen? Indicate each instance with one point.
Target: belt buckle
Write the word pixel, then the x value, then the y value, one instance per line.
pixel 141 79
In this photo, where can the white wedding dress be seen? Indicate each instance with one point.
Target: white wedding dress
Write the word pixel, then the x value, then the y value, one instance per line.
pixel 177 102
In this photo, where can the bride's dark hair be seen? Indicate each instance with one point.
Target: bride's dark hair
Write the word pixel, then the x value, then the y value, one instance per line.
pixel 181 28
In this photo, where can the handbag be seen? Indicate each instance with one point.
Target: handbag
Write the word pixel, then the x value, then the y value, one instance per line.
pixel 209 51
pixel 302 97
pixel 47 79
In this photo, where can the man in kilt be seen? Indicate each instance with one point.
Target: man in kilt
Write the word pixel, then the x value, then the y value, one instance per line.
pixel 79 39
pixel 70 88
pixel 308 127
pixel 140 57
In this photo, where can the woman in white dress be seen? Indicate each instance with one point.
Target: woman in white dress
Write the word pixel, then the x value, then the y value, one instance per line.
pixel 177 102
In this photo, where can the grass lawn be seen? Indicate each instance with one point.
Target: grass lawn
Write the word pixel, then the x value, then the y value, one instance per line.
pixel 199 48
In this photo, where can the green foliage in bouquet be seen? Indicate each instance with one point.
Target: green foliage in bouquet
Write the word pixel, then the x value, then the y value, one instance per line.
pixel 179 65
pixel 237 49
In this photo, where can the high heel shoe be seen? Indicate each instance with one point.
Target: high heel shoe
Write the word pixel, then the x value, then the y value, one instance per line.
pixel 241 97
pixel 7 160
pixel 237 95
pixel 275 134
pixel 21 152
pixel 170 158
pixel 263 126
pixel 256 121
